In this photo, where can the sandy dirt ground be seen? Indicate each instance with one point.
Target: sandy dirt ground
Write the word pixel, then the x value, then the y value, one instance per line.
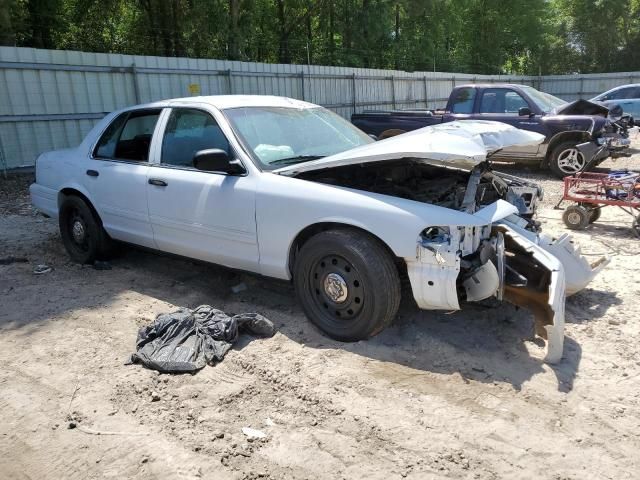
pixel 461 395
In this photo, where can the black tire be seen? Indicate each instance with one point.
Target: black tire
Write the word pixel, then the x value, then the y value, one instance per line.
pixel 576 217
pixel 90 241
pixel 566 160
pixel 594 212
pixel 635 226
pixel 347 284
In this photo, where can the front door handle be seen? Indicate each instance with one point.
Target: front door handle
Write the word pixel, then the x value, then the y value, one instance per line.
pixel 93 173
pixel 157 182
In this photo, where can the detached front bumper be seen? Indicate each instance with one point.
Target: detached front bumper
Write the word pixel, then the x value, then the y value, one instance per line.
pixel 510 263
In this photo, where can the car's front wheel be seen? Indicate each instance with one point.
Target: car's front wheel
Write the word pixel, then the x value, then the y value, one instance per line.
pixel 347 283
pixel 82 234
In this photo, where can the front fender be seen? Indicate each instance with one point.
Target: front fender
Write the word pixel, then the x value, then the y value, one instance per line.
pixel 285 206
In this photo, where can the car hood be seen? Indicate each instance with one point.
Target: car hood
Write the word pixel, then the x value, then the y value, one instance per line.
pixel 462 144
pixel 582 107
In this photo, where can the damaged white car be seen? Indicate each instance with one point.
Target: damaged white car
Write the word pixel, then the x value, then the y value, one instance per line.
pixel 290 190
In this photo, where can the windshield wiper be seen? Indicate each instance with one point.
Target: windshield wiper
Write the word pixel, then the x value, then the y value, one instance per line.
pixel 296 159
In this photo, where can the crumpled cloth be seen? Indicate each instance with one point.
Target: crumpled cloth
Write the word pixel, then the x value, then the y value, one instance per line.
pixel 187 340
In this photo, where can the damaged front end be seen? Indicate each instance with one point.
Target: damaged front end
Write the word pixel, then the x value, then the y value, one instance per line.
pixel 475 263
pixel 493 248
pixel 503 257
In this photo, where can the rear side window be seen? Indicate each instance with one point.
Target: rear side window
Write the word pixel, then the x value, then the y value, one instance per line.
pixel 189 131
pixel 106 147
pixel 128 137
pixel 463 100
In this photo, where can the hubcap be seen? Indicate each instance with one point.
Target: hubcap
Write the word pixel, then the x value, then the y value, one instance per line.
pixel 78 231
pixel 571 160
pixel 336 288
pixel 573 218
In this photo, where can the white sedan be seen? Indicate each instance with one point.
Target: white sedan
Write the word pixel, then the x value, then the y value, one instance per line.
pixel 290 190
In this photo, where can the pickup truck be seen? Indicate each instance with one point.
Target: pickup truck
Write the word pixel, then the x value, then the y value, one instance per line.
pixel 578 135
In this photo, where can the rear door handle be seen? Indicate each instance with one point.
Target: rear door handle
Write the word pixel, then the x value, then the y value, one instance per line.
pixel 93 173
pixel 157 182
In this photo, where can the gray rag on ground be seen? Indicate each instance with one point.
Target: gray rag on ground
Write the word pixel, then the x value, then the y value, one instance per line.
pixel 187 340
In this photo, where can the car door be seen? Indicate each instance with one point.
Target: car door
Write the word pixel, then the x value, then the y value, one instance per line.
pixel 117 176
pixel 503 105
pixel 205 215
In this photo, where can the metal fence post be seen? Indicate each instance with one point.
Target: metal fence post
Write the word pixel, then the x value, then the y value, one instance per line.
pixel 136 87
pixel 393 91
pixel 230 80
pixel 353 92
pixel 426 93
pixel 3 161
pixel 581 92
pixel 302 82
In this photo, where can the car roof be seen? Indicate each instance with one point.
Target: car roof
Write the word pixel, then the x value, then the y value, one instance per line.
pixel 232 101
pixel 623 86
pixel 493 85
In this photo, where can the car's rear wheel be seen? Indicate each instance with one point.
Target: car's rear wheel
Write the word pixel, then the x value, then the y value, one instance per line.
pixel 347 283
pixel 82 234
pixel 566 160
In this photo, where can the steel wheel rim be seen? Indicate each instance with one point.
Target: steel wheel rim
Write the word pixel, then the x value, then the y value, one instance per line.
pixel 336 288
pixel 78 231
pixel 574 218
pixel 571 161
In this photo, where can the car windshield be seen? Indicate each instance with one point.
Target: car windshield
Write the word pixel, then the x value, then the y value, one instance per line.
pixel 544 101
pixel 279 136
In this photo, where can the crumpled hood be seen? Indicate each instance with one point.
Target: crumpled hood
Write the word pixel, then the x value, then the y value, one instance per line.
pixel 462 144
pixel 581 107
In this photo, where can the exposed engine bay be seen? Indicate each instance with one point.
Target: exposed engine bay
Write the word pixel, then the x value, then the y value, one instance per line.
pixel 438 185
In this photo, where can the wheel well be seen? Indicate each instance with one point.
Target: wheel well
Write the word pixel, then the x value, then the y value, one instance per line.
pixel 557 139
pixel 305 234
pixel 69 192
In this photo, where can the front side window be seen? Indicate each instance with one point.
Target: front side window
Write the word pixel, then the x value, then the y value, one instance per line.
pixel 635 93
pixel 628 93
pixel 128 137
pixel 463 100
pixel 616 94
pixel 279 136
pixel 501 100
pixel 189 131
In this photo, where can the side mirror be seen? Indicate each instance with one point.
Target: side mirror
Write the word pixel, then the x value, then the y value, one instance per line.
pixel 216 160
pixel 524 112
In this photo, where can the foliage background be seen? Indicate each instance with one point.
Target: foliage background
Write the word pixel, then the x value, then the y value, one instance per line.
pixel 469 36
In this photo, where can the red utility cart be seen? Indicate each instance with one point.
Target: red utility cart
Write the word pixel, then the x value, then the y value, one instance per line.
pixel 594 191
